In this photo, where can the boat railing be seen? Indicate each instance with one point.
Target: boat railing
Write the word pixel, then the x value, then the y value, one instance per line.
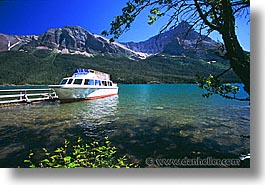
pixel 8 96
pixel 99 74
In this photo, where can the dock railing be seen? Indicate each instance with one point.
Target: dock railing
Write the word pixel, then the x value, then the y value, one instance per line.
pixel 8 96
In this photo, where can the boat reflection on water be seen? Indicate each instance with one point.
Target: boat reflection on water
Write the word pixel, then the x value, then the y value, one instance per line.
pixel 96 116
pixel 91 114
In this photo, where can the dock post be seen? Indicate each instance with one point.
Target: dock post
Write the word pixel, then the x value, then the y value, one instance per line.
pixel 26 96
pixel 21 96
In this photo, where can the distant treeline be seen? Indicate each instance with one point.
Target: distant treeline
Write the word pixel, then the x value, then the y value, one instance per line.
pixel 43 67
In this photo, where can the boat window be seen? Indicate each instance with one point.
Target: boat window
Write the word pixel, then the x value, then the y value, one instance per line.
pixel 109 83
pixel 78 81
pixel 104 83
pixel 63 81
pixel 89 82
pixel 70 81
pixel 97 82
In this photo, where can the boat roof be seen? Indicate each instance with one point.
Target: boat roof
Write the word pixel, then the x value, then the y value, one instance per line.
pixel 91 72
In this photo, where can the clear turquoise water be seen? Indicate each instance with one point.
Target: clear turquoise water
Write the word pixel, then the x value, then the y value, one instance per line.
pixel 170 121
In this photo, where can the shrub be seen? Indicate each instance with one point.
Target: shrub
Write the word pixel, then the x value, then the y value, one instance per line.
pixel 81 155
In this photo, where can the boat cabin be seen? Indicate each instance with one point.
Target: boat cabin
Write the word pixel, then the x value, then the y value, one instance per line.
pixel 88 77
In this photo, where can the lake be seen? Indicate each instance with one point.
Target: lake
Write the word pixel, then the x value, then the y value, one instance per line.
pixel 143 121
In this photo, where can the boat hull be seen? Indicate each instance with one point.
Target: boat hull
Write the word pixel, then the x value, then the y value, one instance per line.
pixel 77 94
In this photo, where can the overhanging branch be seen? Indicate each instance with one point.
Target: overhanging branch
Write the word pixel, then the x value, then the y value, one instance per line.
pixel 204 17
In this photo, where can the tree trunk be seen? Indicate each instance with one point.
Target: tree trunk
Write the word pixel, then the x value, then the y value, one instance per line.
pixel 239 60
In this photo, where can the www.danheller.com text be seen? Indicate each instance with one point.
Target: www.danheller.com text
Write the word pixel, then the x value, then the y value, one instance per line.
pixel 203 162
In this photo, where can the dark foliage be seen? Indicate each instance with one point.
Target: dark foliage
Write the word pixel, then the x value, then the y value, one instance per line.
pixel 43 67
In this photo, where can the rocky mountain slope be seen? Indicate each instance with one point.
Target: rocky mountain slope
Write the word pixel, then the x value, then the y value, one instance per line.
pixel 179 40
pixel 67 40
pixel 174 56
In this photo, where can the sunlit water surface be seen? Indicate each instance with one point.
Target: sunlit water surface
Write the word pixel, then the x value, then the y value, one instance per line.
pixel 159 121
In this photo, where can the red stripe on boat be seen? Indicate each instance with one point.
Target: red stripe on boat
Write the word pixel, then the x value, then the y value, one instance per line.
pixel 91 98
pixel 99 97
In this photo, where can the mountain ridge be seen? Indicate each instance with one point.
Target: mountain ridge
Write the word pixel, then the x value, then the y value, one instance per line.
pixel 67 40
pixel 180 40
pixel 175 57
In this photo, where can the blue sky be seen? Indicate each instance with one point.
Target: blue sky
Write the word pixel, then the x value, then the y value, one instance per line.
pixel 26 17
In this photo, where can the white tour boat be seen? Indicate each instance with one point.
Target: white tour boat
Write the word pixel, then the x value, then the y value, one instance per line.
pixel 85 84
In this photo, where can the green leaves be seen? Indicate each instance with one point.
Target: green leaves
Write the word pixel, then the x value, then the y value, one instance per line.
pixel 67 159
pixel 155 11
pixel 58 150
pixel 154 15
pixel 151 20
pixel 81 155
pixel 212 85
pixel 129 8
pixel 45 161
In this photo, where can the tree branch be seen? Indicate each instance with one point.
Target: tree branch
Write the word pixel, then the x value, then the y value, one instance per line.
pixel 235 98
pixel 225 71
pixel 204 17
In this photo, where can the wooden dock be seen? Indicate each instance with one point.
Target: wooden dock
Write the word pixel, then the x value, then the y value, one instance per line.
pixel 9 96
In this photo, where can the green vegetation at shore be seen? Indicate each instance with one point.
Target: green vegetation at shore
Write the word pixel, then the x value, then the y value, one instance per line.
pixel 80 155
pixel 43 67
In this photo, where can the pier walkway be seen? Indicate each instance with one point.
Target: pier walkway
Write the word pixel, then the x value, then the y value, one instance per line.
pixel 9 96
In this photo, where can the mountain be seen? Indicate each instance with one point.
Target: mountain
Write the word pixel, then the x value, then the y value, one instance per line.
pixel 67 40
pixel 174 56
pixel 14 43
pixel 179 40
